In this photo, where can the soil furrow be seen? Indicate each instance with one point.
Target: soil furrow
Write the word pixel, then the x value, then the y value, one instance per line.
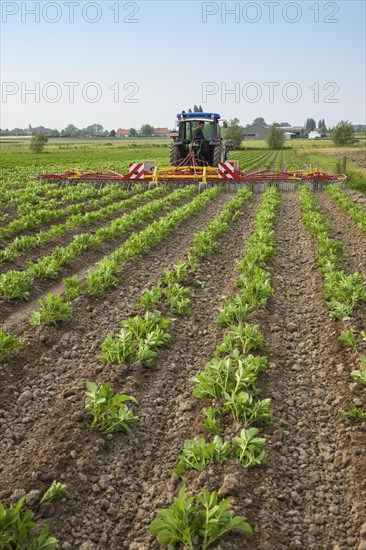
pixel 345 229
pixel 310 492
pixel 358 197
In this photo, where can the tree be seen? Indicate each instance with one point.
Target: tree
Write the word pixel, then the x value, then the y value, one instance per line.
pixel 112 133
pixel 276 137
pixel 70 131
pixel 234 131
pixel 147 130
pixel 343 133
pixel 285 125
pixel 38 142
pixel 94 129
pixel 260 120
pixel 54 134
pixel 132 132
pixel 310 125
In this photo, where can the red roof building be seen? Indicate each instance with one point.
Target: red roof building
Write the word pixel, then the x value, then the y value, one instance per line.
pixel 122 133
pixel 161 132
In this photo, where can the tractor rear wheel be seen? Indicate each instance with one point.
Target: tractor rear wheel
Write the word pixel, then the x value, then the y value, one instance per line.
pixel 174 156
pixel 218 155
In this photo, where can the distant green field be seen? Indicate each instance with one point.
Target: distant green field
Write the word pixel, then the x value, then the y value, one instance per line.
pixel 96 154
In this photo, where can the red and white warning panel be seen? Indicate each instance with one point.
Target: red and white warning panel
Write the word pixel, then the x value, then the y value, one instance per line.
pixel 228 170
pixel 137 171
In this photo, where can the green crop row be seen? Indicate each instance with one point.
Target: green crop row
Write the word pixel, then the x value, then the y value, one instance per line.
pixel 16 284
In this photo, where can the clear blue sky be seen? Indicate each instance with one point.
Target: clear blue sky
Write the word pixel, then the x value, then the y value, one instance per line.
pixel 310 51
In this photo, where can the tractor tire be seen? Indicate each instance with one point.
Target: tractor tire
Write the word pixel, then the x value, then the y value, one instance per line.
pixel 151 186
pixel 218 155
pixel 174 156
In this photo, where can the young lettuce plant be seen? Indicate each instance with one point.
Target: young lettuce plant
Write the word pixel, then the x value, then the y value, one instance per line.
pixel 211 423
pixel 16 530
pixel 355 414
pixel 243 337
pixel 249 448
pixel 360 374
pixel 348 338
pixel 8 342
pixel 72 287
pixel 15 284
pixel 200 519
pixel 198 454
pixel 149 298
pixel 52 310
pixel 54 492
pixel 110 414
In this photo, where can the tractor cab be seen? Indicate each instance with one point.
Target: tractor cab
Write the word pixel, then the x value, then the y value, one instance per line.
pixel 208 151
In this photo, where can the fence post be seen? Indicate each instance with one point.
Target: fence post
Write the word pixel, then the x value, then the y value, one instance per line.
pixel 344 164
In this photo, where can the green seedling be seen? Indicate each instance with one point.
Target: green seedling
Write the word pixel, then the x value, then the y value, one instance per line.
pixel 196 521
pixel 8 342
pixel 110 414
pixel 348 338
pixel 56 491
pixel 16 530
pixel 249 448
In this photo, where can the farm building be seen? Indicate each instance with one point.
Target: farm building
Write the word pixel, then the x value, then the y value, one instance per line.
pixel 121 133
pixel 259 131
pixel 296 131
pixel 161 132
pixel 256 131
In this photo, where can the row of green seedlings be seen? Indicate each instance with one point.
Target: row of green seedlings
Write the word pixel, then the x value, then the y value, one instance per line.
pixel 343 292
pixel 38 214
pixel 11 251
pixel 104 277
pixel 16 284
pixel 35 212
pixel 347 205
pixel 17 528
pixel 141 336
pixel 37 192
pixel 249 159
pixel 257 161
pixel 53 309
pixel 109 410
pixel 229 381
pixel 293 162
pixel 271 161
pixel 139 340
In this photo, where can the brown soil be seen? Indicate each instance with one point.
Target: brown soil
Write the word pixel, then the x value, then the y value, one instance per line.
pixel 308 494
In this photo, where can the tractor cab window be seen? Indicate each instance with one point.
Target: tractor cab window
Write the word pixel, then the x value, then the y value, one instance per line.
pixel 209 130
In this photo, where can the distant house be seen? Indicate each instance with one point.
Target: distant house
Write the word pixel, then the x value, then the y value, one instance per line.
pixel 296 131
pixel 256 131
pixel 121 133
pixel 161 132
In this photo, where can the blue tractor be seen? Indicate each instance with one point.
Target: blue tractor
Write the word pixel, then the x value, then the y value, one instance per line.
pixel 208 148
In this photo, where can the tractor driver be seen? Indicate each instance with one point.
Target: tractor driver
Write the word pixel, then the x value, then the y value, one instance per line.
pixel 198 133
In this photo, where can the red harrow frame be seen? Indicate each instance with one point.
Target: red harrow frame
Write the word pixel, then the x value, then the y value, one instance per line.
pixel 188 171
